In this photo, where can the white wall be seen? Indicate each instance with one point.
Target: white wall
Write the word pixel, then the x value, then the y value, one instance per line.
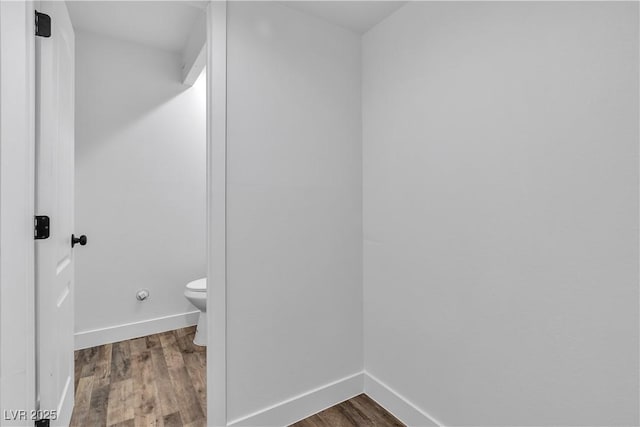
pixel 294 242
pixel 501 211
pixel 17 300
pixel 140 186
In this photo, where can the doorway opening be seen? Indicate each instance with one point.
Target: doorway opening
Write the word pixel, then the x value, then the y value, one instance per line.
pixel 121 160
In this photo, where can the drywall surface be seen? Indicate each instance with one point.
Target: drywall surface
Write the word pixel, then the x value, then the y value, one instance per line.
pixel 17 164
pixel 501 211
pixel 294 205
pixel 140 182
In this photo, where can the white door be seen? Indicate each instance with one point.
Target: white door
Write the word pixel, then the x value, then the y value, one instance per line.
pixel 55 199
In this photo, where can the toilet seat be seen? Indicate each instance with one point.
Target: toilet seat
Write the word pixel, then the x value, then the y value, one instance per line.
pixel 199 285
pixel 196 294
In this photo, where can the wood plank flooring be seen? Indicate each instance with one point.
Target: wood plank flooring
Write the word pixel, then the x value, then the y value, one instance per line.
pixel 361 411
pixel 158 380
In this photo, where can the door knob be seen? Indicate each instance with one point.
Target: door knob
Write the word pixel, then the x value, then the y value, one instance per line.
pixel 82 240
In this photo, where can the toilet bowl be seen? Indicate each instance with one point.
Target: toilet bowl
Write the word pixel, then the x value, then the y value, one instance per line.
pixel 196 293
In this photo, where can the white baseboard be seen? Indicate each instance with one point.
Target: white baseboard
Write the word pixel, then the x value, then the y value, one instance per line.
pixel 304 405
pixel 398 405
pixel 86 339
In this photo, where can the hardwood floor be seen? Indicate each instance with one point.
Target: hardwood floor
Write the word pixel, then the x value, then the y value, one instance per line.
pixel 158 380
pixel 361 411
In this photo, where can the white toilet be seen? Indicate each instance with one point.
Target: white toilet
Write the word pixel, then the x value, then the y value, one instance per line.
pixel 196 293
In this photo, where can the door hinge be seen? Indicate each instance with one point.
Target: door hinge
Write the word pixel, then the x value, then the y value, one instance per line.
pixel 41 227
pixel 45 422
pixel 43 24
